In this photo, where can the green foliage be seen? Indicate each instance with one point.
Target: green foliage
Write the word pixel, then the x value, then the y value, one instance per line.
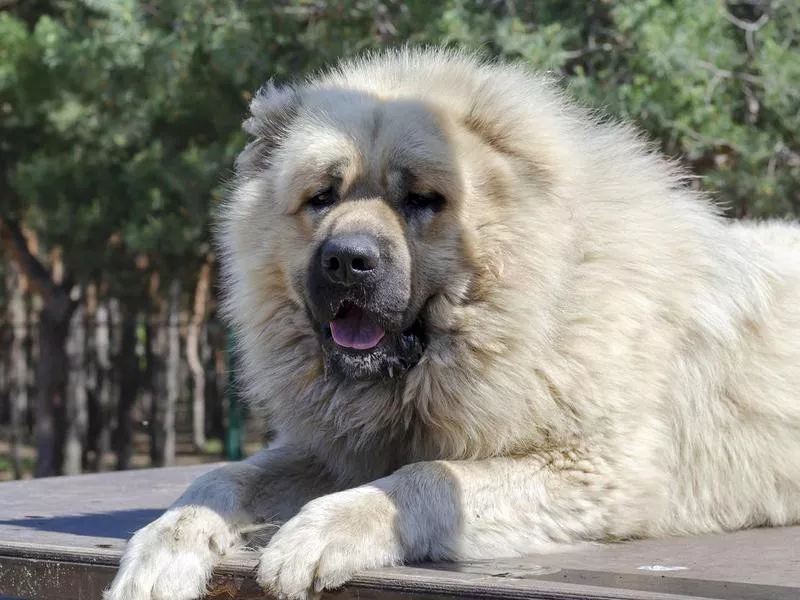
pixel 119 119
pixel 716 82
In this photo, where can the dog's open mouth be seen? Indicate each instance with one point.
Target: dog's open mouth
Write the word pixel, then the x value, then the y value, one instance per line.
pixel 355 328
pixel 359 345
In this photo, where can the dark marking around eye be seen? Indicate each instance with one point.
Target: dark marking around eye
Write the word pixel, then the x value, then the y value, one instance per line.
pixel 323 198
pixel 424 201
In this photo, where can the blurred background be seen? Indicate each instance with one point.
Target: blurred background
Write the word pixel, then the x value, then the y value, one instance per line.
pixel 119 123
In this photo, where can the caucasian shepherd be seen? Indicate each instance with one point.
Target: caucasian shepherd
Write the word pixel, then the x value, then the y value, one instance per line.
pixel 482 323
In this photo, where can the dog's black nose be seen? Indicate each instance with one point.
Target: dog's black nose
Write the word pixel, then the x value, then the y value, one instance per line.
pixel 349 259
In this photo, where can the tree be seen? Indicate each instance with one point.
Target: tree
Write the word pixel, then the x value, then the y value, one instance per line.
pixel 713 81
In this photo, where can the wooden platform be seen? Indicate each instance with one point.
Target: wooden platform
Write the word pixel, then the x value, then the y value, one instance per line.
pixel 61 539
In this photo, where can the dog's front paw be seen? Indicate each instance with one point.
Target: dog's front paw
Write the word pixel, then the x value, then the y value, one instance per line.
pixel 172 558
pixel 328 541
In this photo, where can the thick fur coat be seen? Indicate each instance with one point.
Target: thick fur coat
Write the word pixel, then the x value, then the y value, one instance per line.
pixel 605 357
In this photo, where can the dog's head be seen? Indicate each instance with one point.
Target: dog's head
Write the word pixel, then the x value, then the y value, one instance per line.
pixel 379 208
pixel 352 205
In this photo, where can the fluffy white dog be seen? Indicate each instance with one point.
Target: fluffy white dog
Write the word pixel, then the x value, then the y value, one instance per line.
pixel 482 323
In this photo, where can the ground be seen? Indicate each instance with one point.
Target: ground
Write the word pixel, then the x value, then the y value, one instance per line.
pixel 141 459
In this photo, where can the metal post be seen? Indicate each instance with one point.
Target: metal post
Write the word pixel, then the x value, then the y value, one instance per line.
pixel 233 435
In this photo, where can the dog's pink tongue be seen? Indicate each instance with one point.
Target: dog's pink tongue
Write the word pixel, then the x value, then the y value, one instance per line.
pixel 355 330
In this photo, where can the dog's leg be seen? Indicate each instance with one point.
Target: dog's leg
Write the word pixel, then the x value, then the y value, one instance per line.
pixel 172 558
pixel 447 510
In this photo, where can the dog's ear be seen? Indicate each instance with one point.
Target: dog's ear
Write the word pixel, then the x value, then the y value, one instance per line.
pixel 271 111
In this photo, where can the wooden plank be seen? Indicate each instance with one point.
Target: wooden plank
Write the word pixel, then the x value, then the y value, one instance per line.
pixel 62 538
pixel 65 573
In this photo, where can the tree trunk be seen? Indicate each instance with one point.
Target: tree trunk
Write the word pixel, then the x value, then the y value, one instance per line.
pixel 18 365
pixel 76 400
pixel 193 356
pixel 165 377
pixel 54 320
pixel 156 350
pixel 51 417
pixel 128 369
pixel 173 374
pixel 106 346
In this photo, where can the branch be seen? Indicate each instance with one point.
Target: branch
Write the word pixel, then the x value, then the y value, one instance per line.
pixel 725 74
pixel 748 25
pixel 30 265
pixel 59 302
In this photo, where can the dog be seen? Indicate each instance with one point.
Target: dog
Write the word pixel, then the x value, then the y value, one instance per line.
pixel 483 322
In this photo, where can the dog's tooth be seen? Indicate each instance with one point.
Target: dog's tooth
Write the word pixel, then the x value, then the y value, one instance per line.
pixel 391 372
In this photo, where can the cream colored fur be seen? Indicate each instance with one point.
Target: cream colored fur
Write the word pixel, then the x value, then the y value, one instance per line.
pixel 609 358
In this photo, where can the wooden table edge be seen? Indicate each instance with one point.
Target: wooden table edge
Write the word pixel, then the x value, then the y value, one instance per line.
pixel 84 572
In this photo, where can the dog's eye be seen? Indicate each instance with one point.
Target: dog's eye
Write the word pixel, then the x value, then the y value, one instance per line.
pixel 323 198
pixel 417 201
